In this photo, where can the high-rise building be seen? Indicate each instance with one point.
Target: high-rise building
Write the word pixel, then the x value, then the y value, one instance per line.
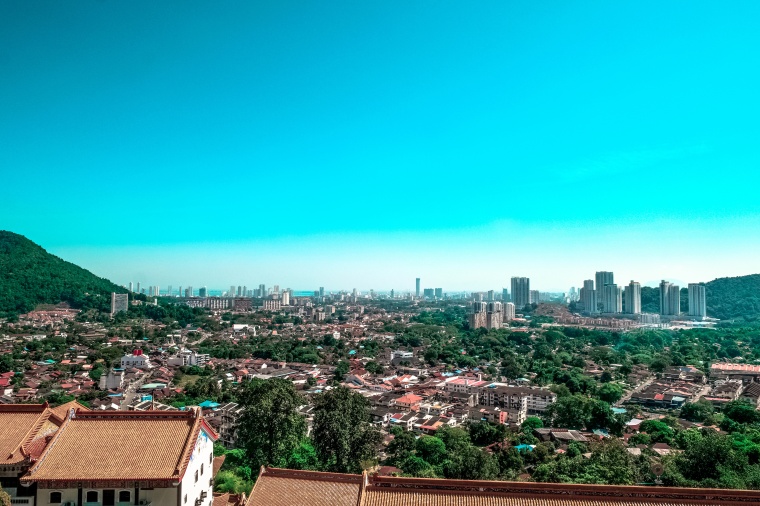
pixel 417 292
pixel 535 296
pixel 231 293
pixel 130 286
pixel 477 318
pixel 179 291
pixel 189 291
pixel 509 311
pixel 321 292
pixel 119 302
pixel 138 287
pixel 633 298
pixel 588 297
pixel 428 293
pixel 439 293
pixel 286 298
pixel 697 301
pixel 520 292
pixel 603 278
pixel 203 292
pixel 494 316
pixel 490 296
pixel 262 291
pixel 245 291
pixel 504 295
pixel 612 299
pixel 670 299
pixel 169 291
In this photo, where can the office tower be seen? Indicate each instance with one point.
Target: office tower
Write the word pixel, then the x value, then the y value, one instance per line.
pixel 535 296
pixel 138 287
pixel 231 293
pixel 417 291
pixel 179 291
pixel 697 301
pixel 158 291
pixel 119 302
pixel 262 291
pixel 490 296
pixel 477 318
pixel 202 292
pixel 239 292
pixel 612 299
pixel 130 286
pixel 321 291
pixel 603 278
pixel 428 293
pixel 439 293
pixel 588 297
pixel 633 298
pixel 520 292
pixel 245 291
pixel 189 291
pixel 477 296
pixel 670 299
pixel 509 312
pixel 169 291
pixel 393 294
pixel 504 295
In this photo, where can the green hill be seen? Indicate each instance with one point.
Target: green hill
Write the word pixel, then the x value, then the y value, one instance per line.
pixel 29 276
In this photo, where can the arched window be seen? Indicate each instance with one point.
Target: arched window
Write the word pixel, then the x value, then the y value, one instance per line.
pixel 92 496
pixel 196 476
pixel 125 496
pixel 55 498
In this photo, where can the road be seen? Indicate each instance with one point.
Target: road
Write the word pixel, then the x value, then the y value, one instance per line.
pixel 131 392
pixel 639 388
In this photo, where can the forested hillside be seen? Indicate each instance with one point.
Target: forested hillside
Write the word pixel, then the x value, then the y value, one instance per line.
pixel 727 298
pixel 29 276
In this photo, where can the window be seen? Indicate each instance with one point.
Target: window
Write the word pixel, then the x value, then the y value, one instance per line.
pixel 125 496
pixel 201 469
pixel 92 496
pixel 185 498
pixel 211 458
pixel 196 476
pixel 55 498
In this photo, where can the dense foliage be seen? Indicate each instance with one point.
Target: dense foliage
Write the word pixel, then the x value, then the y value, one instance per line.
pixel 29 276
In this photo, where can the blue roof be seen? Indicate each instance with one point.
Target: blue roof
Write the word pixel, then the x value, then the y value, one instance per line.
pixel 209 404
pixel 619 411
pixel 352 352
pixel 524 447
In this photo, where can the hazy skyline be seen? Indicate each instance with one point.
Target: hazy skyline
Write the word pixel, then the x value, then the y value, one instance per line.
pixel 363 144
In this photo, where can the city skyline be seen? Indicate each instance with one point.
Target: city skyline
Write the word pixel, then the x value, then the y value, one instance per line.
pixel 366 144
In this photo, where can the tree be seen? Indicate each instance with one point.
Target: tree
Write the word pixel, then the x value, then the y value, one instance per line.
pixel 741 412
pixel 342 433
pixel 697 411
pixel 431 449
pixel 532 422
pixel 485 433
pixel 229 482
pixel 610 392
pixel 658 432
pixel 612 463
pixel 401 447
pixel 569 412
pixel 270 429
pixel 341 370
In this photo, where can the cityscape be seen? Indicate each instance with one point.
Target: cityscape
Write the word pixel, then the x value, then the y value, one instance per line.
pixel 379 253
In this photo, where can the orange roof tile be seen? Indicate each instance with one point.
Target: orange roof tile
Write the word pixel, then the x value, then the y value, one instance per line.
pixel 157 446
pixel 283 487
pixel 20 425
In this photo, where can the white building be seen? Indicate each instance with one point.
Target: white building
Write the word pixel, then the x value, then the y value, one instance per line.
pixel 633 298
pixel 136 360
pixel 697 301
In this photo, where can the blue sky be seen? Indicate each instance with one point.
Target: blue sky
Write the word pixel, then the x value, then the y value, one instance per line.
pixel 365 143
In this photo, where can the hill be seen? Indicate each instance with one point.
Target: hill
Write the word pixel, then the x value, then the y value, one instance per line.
pixel 727 298
pixel 29 276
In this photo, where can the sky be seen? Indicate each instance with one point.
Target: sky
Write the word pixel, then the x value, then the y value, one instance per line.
pixel 362 144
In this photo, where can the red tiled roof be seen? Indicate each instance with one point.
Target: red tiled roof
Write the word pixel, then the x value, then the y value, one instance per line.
pixel 283 487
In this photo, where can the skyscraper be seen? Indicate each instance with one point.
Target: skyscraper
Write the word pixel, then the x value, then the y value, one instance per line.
pixel 633 298
pixel 130 286
pixel 321 292
pixel 613 299
pixel 138 287
pixel 493 315
pixel 203 292
pixel 504 295
pixel 262 291
pixel 520 292
pixel 588 297
pixel 286 298
pixel 535 296
pixel 670 299
pixel 697 301
pixel 231 292
pixel 428 293
pixel 439 293
pixel 477 318
pixel 417 292
pixel 490 296
pixel 603 278
pixel 169 291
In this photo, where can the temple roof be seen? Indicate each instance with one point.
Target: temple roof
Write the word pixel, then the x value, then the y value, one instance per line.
pixel 22 430
pixel 121 446
pixel 284 487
